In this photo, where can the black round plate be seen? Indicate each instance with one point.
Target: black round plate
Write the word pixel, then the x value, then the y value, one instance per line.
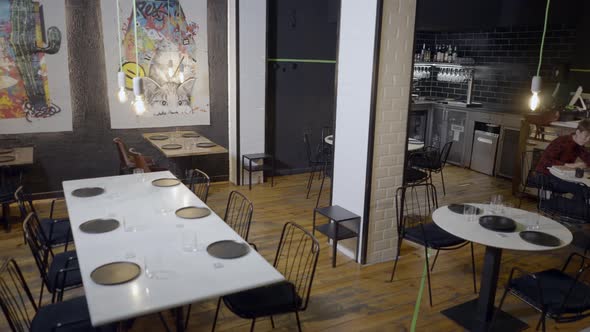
pixel 228 249
pixel 6 150
pixel 190 135
pixel 115 273
pixel 540 238
pixel 206 145
pixel 192 212
pixel 5 159
pixel 171 146
pixel 166 182
pixel 497 223
pixel 459 208
pixel 88 192
pixel 97 226
pixel 158 137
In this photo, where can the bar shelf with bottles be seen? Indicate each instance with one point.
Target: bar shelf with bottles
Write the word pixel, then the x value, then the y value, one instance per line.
pixel 452 68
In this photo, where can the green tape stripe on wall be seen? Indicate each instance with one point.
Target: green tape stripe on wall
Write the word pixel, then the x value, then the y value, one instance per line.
pixel 301 60
pixel 578 70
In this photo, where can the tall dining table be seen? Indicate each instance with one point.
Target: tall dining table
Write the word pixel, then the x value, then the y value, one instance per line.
pixel 151 234
pixel 476 315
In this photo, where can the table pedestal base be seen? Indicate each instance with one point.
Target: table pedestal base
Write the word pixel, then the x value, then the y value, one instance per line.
pixel 464 314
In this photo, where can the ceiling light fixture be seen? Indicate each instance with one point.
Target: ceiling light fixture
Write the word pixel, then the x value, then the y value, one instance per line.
pixel 138 104
pixel 536 82
pixel 122 94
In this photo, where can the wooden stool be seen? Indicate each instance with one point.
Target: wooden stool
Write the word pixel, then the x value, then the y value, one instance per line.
pixel 333 230
pixel 255 168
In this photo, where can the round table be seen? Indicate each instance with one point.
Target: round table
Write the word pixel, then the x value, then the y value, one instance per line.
pixel 329 139
pixel 585 179
pixel 476 315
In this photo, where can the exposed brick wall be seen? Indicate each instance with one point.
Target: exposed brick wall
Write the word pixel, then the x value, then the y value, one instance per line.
pixel 506 59
pixel 393 89
pixel 88 151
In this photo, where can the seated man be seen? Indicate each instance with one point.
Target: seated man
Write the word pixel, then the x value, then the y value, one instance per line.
pixel 564 151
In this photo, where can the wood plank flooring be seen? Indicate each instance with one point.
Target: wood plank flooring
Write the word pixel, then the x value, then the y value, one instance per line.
pixel 350 297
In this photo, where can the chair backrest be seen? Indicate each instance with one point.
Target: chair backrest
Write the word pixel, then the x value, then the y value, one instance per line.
pixel 38 244
pixel 444 154
pixel 124 160
pixel 528 162
pixel 139 160
pixel 25 205
pixel 307 146
pixel 558 206
pixel 16 299
pixel 297 258
pixel 199 184
pixel 238 213
pixel 414 204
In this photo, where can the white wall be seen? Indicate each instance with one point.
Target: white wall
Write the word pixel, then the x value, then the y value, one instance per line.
pixel 355 74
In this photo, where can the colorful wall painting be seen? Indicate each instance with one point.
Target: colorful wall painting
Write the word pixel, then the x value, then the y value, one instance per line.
pixel 172 61
pixel 34 92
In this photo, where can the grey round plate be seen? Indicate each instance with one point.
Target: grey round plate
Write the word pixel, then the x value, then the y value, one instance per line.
pixel 115 273
pixel 88 192
pixel 166 182
pixel 459 208
pixel 97 226
pixel 171 146
pixel 190 135
pixel 5 159
pixel 193 212
pixel 6 150
pixel 206 145
pixel 158 137
pixel 228 249
pixel 540 238
pixel 497 223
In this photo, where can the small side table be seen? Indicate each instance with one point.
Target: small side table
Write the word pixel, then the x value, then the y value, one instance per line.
pixel 333 230
pixel 255 168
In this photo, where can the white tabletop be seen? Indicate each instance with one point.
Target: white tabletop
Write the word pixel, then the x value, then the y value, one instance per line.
pixel 585 179
pixel 329 139
pixel 191 277
pixel 413 146
pixel 458 225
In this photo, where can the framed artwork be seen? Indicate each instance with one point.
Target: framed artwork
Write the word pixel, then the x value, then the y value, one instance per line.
pixel 171 58
pixel 34 91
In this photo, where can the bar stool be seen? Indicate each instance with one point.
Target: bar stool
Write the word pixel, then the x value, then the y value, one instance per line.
pixel 333 230
pixel 255 168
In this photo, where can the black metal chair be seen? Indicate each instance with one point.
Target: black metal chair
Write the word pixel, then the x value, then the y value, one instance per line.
pixel 59 272
pixel 529 176
pixel 238 213
pixel 559 206
pixel 199 184
pixel 315 161
pixel 562 295
pixel 296 258
pixel 56 231
pixel 432 160
pixel 10 180
pixel 414 205
pixel 23 314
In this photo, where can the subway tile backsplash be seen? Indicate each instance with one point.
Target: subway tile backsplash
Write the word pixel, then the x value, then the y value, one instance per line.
pixel 505 60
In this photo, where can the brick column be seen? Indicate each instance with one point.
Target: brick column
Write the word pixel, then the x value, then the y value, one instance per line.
pixel 393 88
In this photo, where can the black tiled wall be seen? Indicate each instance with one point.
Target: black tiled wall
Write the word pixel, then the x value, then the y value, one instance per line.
pixel 505 59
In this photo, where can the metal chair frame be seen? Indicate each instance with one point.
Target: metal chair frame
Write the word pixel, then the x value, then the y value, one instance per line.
pixel 238 213
pixel 199 184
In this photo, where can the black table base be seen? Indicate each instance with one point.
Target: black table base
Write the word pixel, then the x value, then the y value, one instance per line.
pixel 464 315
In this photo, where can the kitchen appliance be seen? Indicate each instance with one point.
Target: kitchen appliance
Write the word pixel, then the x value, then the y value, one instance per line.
pixel 485 144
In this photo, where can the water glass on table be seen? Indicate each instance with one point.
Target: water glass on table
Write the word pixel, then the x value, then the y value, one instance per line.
pixel 189 241
pixel 496 203
pixel 470 213
pixel 533 221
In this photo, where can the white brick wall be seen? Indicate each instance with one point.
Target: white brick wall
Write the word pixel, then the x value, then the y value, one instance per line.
pixel 395 69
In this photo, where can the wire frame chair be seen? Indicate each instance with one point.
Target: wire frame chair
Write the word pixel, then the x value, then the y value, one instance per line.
pixel 558 206
pixel 238 213
pixel 296 258
pixel 433 161
pixel 529 177
pixel 65 263
pixel 199 184
pixel 415 205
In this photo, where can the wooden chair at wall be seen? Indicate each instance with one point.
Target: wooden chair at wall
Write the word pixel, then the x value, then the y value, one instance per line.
pixel 126 162
pixel 139 161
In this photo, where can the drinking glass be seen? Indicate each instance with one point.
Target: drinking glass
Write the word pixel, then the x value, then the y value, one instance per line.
pixel 189 241
pixel 470 213
pixel 157 267
pixel 496 203
pixel 533 221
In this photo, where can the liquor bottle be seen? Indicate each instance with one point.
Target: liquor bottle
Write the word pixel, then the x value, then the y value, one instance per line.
pixel 423 52
pixel 455 54
pixel 428 55
pixel 450 54
pixel 445 55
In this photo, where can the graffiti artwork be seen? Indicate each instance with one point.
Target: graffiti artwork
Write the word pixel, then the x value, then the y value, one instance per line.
pixel 27 101
pixel 171 58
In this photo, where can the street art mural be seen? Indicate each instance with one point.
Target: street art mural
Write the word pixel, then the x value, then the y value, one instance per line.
pixel 171 58
pixel 34 92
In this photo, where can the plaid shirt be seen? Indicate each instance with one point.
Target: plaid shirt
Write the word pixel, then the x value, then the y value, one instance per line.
pixel 563 150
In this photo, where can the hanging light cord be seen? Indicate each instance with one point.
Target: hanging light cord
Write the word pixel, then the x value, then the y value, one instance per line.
pixel 543 38
pixel 135 35
pixel 119 37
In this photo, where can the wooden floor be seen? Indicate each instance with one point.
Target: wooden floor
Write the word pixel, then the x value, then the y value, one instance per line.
pixel 351 297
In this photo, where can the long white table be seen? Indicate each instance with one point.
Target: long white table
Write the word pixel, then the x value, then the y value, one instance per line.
pixel 191 277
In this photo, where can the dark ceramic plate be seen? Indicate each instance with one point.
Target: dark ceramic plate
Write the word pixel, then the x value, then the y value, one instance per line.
pixel 166 182
pixel 228 249
pixel 88 192
pixel 190 135
pixel 206 145
pixel 459 208
pixel 171 146
pixel 115 273
pixel 5 159
pixel 497 223
pixel 192 212
pixel 159 137
pixel 6 150
pixel 540 238
pixel 97 226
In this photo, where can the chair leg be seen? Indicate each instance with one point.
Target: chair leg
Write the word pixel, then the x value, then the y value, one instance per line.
pixel 163 322
pixel 317 203
pixel 310 181
pixel 442 178
pixel 498 309
pixel 250 175
pixel 188 314
pixel 434 261
pixel 428 276
pixel 253 323
pixel 399 247
pixel 298 321
pixel 541 322
pixel 216 314
pixel 272 322
pixel 41 294
pixel 473 269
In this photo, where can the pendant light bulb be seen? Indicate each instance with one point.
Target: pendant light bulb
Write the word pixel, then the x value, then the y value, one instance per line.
pixel 181 73
pixel 535 89
pixel 170 68
pixel 138 104
pixel 122 94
